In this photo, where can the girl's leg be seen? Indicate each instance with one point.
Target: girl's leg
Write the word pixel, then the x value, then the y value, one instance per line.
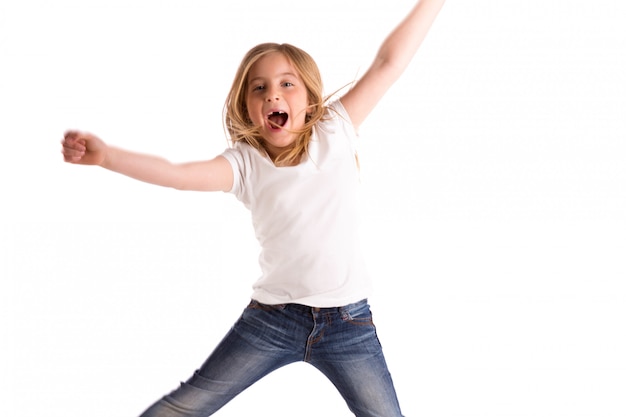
pixel 253 348
pixel 350 355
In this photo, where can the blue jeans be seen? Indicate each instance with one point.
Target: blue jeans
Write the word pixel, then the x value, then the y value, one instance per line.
pixel 341 342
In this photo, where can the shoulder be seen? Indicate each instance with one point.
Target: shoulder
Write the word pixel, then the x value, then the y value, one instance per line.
pixel 335 116
pixel 241 153
pixel 336 121
pixel 241 158
pixel 336 109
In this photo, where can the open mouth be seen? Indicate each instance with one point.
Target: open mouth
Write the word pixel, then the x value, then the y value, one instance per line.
pixel 277 119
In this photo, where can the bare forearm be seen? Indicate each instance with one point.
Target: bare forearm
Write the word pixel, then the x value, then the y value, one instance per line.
pixel 402 43
pixel 146 168
pixel 209 175
pixel 393 57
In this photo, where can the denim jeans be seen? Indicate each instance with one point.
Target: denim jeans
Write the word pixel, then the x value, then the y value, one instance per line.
pixel 341 342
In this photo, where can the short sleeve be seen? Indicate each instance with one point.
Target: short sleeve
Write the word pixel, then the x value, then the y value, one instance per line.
pixel 236 160
pixel 346 124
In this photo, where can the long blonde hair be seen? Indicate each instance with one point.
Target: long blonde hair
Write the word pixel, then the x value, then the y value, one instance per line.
pixel 236 119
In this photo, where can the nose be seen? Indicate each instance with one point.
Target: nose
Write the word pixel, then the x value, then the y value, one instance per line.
pixel 272 95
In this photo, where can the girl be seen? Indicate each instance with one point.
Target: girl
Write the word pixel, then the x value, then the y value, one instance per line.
pixel 293 164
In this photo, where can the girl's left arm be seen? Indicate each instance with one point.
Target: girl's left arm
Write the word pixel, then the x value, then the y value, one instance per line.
pixel 391 60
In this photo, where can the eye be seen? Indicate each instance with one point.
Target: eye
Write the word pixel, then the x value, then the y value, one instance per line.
pixel 287 84
pixel 259 87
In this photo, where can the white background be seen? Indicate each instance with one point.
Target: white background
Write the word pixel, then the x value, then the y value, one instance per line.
pixel 494 187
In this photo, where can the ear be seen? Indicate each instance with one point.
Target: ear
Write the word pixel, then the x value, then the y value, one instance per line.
pixel 310 109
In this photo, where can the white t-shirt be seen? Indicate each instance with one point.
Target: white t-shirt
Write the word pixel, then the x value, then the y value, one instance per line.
pixel 306 218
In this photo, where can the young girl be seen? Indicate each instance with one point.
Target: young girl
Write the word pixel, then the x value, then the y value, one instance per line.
pixel 293 164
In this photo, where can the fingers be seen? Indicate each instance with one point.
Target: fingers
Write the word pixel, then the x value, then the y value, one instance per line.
pixel 82 148
pixel 74 147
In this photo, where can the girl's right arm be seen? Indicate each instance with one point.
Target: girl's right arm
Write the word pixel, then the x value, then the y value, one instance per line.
pixel 86 149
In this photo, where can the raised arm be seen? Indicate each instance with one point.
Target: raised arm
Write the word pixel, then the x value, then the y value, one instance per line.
pixel 87 149
pixel 391 60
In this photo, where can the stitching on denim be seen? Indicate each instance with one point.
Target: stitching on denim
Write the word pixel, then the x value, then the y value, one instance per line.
pixel 366 321
pixel 313 340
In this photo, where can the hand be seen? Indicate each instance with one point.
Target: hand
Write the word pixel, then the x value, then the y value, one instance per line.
pixel 83 148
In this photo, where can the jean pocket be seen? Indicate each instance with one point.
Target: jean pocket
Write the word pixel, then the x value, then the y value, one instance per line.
pixel 358 314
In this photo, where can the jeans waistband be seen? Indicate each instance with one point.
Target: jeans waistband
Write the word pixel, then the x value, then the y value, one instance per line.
pixel 308 309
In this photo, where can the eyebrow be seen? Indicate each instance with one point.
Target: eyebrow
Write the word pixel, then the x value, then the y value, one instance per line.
pixel 291 74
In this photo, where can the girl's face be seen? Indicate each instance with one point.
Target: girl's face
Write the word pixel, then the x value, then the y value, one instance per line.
pixel 277 101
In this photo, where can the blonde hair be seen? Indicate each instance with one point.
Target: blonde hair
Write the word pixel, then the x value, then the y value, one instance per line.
pixel 236 119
